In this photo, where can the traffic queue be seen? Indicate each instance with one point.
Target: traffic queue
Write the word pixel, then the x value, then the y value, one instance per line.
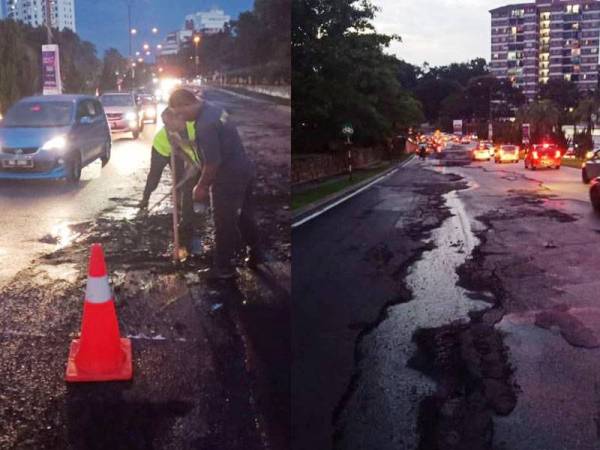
pixel 535 156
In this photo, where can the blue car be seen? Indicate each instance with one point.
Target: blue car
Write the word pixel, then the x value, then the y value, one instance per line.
pixel 53 137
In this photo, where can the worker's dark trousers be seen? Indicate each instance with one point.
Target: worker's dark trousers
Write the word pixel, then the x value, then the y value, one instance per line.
pixel 235 226
pixel 188 217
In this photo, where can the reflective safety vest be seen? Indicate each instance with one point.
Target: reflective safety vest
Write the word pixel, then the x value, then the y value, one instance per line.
pixel 163 146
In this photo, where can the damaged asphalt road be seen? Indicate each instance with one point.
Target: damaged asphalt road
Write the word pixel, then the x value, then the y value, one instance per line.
pixel 211 360
pixel 460 313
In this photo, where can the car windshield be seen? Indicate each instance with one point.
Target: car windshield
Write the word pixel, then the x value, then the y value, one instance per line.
pixel 38 115
pixel 117 100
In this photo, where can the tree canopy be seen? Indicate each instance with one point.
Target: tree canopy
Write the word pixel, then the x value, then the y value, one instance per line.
pixel 257 44
pixel 342 75
pixel 20 53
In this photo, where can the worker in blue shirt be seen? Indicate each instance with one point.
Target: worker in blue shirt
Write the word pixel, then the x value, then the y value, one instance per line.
pixel 228 174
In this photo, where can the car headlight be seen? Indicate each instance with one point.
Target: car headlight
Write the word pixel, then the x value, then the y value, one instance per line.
pixel 589 155
pixel 131 116
pixel 56 143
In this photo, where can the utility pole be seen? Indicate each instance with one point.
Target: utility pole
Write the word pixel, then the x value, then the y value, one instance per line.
pixel 131 32
pixel 48 20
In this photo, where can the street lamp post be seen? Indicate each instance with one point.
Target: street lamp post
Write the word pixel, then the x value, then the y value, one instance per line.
pixel 197 58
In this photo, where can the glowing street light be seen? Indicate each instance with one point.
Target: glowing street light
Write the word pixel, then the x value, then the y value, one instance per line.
pixel 146 46
pixel 134 31
pixel 154 30
pixel 197 59
pixel 140 60
pixel 148 53
pixel 159 46
pixel 137 53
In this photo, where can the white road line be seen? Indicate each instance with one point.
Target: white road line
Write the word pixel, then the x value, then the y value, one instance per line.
pixel 349 196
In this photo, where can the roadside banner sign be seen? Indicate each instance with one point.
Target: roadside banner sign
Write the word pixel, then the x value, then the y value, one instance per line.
pixel 52 83
pixel 457 125
pixel 526 133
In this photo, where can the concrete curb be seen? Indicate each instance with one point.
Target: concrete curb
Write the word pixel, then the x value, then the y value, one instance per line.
pixel 299 215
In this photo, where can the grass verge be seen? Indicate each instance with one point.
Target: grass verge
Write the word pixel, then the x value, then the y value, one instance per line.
pixel 336 184
pixel 575 163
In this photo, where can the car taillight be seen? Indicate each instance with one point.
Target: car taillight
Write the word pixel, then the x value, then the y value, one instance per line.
pixel 535 155
pixel 557 154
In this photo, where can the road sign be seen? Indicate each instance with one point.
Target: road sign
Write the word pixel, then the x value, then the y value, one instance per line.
pixel 347 130
pixel 457 125
pixel 52 83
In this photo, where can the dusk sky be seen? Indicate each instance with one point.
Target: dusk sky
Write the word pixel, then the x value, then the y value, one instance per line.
pixel 104 22
pixel 438 31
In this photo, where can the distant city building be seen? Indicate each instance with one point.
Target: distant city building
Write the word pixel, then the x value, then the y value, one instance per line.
pixel 204 22
pixel 535 42
pixel 174 41
pixel 207 22
pixel 60 13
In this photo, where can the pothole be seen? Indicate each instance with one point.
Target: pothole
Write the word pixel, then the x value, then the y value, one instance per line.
pixel 382 411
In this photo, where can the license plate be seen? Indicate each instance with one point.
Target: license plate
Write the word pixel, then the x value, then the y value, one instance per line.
pixel 18 163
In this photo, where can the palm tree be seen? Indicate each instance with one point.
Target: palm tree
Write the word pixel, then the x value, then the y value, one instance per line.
pixel 544 117
pixel 587 110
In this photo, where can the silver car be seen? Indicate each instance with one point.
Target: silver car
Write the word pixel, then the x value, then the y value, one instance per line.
pixel 590 169
pixel 123 113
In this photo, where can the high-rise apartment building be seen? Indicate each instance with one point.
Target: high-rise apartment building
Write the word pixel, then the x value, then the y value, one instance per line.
pixel 534 42
pixel 59 13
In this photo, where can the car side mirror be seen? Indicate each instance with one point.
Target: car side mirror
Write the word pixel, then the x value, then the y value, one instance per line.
pixel 86 120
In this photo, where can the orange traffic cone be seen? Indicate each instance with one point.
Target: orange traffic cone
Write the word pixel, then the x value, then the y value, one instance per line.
pixel 100 354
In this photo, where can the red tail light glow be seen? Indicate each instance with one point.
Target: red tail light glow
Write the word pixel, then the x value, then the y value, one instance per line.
pixel 557 153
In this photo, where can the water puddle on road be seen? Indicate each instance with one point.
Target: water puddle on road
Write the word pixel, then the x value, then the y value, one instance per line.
pixel 61 235
pixel 382 410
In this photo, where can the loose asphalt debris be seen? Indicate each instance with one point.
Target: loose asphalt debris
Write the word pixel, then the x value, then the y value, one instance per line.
pixel 211 360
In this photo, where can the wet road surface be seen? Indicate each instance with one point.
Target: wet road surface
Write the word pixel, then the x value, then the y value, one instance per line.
pixel 35 214
pixel 211 360
pixel 348 265
pixel 478 331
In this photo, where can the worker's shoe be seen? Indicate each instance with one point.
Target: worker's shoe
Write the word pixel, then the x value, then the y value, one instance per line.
pixel 143 204
pixel 218 273
pixel 255 258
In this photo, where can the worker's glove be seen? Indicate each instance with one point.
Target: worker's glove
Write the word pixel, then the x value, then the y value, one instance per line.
pixel 200 193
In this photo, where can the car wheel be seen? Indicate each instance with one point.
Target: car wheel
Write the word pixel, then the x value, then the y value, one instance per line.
pixel 584 177
pixel 106 158
pixel 532 167
pixel 557 167
pixel 595 199
pixel 136 134
pixel 74 168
